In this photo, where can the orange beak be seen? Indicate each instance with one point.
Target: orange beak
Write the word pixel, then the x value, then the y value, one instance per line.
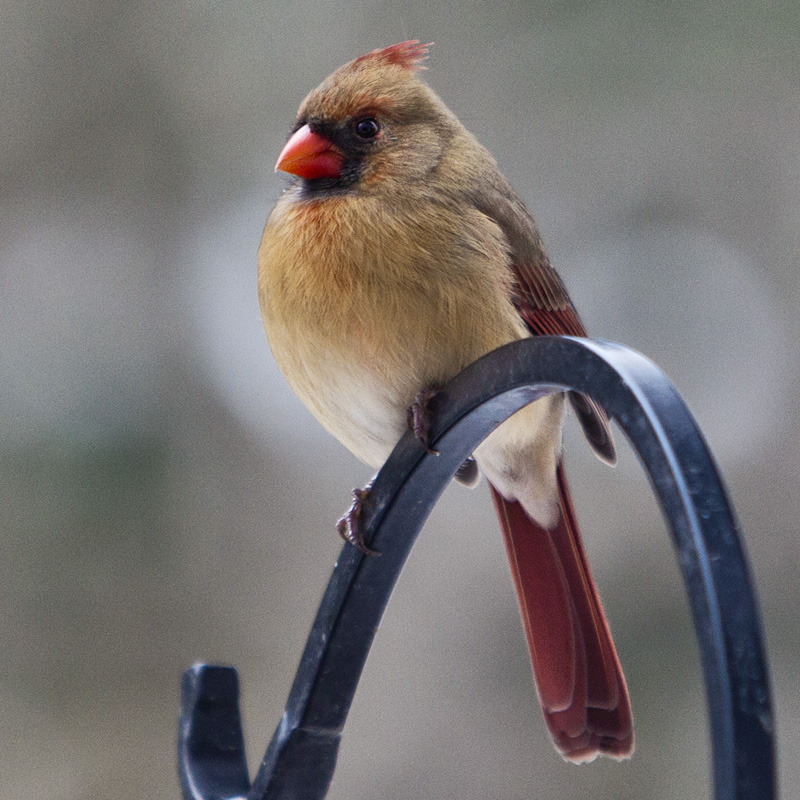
pixel 309 155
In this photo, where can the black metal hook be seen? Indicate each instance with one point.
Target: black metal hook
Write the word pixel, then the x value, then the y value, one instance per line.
pixel 301 758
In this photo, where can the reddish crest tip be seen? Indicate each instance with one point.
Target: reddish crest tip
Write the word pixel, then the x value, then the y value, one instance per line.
pixel 408 55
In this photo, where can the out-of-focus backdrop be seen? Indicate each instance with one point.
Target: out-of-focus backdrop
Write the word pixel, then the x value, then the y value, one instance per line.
pixel 166 499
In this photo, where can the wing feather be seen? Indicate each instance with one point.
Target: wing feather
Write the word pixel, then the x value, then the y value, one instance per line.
pixel 540 297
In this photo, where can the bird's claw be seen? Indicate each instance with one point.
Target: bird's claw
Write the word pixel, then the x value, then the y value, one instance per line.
pixel 419 419
pixel 349 526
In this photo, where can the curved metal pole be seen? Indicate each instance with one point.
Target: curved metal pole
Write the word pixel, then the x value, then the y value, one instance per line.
pixel 300 760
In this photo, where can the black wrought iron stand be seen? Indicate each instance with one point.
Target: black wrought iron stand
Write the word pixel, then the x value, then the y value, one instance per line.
pixel 301 758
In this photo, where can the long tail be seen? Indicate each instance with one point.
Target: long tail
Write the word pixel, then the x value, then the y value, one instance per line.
pixel 578 676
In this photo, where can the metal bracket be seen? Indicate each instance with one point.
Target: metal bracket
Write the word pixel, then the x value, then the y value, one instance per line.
pixel 301 757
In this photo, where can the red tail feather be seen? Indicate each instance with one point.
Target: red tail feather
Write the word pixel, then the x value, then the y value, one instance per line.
pixel 578 677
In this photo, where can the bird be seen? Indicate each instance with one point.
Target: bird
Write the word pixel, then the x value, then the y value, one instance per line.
pixel 398 255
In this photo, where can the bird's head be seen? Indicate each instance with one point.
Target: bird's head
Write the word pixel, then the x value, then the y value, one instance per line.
pixel 371 125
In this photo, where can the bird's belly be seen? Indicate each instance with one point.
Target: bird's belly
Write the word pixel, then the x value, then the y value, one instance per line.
pixel 360 375
pixel 360 388
pixel 356 397
pixel 361 395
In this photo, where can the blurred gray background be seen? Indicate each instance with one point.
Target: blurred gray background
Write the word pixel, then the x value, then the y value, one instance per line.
pixel 166 499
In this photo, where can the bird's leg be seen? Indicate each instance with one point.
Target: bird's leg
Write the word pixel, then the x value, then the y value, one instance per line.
pixel 349 526
pixel 419 419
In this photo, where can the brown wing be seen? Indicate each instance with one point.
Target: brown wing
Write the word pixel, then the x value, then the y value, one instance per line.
pixel 542 301
pixel 540 297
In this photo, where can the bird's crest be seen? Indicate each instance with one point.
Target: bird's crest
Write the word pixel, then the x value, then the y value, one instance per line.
pixel 408 55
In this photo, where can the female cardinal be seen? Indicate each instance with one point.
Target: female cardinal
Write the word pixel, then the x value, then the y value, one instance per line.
pixel 399 256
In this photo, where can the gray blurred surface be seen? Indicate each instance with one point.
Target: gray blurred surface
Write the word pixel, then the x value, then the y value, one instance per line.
pixel 165 498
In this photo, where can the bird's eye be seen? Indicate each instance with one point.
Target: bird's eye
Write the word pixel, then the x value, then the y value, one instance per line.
pixel 367 128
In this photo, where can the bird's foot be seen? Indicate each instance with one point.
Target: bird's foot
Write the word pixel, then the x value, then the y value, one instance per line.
pixel 349 526
pixel 419 419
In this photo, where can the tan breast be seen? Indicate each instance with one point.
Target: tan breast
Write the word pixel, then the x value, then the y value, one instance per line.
pixel 364 306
